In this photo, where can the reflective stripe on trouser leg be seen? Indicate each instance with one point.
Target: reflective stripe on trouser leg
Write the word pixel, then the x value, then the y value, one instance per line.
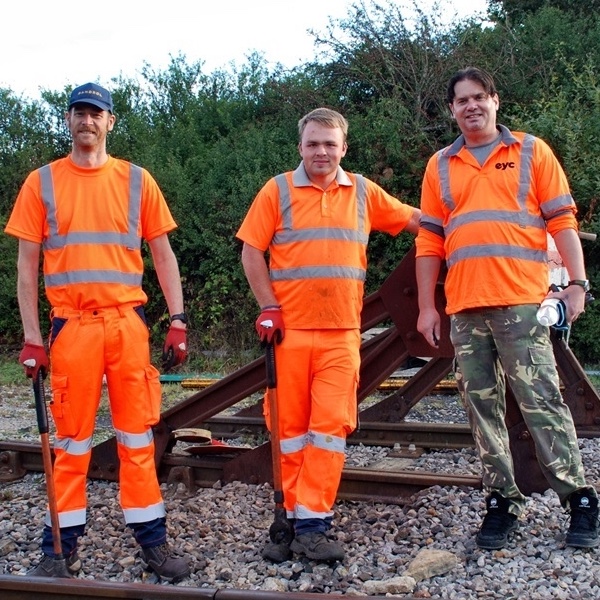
pixel 511 339
pixel 317 378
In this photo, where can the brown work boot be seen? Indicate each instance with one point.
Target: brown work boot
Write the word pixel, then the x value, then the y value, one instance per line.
pixel 161 560
pixel 52 567
pixel 316 546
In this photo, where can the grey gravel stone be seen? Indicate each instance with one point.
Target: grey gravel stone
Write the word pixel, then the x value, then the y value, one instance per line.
pixel 224 528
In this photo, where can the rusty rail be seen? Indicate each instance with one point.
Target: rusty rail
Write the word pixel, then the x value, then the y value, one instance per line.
pixel 41 588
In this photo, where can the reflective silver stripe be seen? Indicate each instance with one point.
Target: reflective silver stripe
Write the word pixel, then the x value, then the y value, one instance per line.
pixel 74 447
pixel 498 216
pixel 361 201
pixel 332 443
pixel 98 276
pixel 302 512
pixel 444 175
pixel 433 225
pixel 285 203
pixel 318 273
pixel 134 440
pixel 293 234
pixel 525 177
pixel 69 518
pixel 497 250
pixel 294 444
pixel 557 206
pixel 321 233
pixel 147 513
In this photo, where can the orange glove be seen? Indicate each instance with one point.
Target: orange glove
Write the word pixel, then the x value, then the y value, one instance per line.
pixel 269 325
pixel 175 348
pixel 34 358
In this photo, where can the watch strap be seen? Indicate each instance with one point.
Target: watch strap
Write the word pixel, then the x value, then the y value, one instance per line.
pixel 179 317
pixel 584 283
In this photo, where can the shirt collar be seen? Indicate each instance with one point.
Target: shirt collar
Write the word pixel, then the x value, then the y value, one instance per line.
pixel 505 136
pixel 300 177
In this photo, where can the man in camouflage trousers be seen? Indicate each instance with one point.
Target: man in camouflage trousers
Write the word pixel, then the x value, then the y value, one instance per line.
pixel 487 204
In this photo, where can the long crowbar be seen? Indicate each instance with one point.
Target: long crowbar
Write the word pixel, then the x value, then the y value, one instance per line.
pixel 60 565
pixel 281 530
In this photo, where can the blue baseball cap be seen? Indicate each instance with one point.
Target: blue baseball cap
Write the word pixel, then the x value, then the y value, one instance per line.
pixel 92 93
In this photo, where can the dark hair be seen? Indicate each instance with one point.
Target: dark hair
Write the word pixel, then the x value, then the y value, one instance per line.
pixel 474 74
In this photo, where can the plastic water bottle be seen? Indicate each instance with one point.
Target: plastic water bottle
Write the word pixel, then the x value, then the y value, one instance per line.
pixel 552 312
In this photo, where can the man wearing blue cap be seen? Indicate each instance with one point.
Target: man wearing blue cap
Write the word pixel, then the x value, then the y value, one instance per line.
pixel 89 213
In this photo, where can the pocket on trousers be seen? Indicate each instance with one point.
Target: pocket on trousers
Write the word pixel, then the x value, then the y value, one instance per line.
pixel 60 407
pixel 57 325
pixel 154 395
pixel 541 356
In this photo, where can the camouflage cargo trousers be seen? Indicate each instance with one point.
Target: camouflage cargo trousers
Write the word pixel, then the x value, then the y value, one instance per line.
pixel 498 345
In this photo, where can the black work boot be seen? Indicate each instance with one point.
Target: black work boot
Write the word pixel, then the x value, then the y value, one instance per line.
pixel 53 567
pixel 160 560
pixel 497 523
pixel 277 552
pixel 583 529
pixel 316 546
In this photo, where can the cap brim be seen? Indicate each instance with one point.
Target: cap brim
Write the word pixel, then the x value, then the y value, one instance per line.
pixel 96 103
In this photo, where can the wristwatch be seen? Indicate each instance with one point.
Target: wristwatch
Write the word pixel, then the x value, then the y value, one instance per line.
pixel 584 283
pixel 179 317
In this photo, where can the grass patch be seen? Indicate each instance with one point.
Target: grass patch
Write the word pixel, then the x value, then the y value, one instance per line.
pixel 11 372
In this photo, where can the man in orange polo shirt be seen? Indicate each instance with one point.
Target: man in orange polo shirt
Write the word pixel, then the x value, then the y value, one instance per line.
pixel 487 203
pixel 89 213
pixel 315 223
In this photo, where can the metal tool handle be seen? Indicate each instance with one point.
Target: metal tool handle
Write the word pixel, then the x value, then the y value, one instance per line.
pixel 270 363
pixel 40 403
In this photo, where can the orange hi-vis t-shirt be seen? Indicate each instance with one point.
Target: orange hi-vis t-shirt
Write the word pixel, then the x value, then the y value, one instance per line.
pixel 317 242
pixel 90 223
pixel 490 222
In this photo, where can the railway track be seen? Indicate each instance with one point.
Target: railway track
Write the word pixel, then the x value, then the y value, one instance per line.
pixel 39 588
pixel 390 483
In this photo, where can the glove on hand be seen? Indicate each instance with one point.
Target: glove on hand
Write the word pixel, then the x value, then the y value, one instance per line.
pixel 34 359
pixel 269 325
pixel 175 348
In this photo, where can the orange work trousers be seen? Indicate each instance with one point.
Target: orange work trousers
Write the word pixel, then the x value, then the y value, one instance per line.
pixel 317 380
pixel 85 346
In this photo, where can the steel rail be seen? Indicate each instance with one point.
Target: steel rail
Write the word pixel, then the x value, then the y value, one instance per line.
pixel 423 435
pixel 14 587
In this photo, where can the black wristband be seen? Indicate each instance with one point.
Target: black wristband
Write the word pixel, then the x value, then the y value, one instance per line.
pixel 277 306
pixel 179 317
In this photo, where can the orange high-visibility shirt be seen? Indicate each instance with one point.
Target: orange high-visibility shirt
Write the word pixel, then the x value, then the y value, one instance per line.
pixel 90 223
pixel 490 222
pixel 317 241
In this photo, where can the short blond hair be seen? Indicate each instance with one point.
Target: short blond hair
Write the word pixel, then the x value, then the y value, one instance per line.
pixel 326 117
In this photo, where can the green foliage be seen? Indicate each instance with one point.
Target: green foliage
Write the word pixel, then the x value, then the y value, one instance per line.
pixel 212 140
